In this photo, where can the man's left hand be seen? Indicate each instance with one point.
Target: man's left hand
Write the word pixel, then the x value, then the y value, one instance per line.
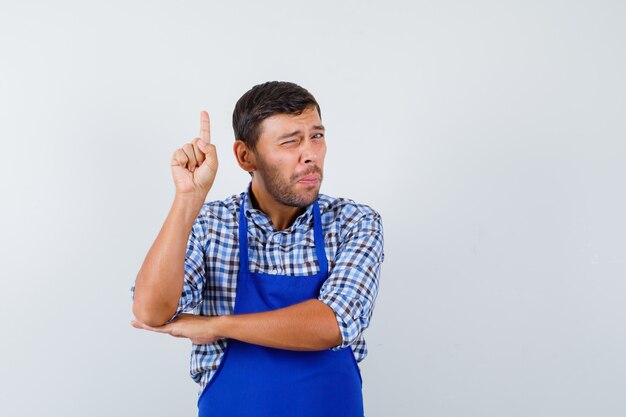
pixel 200 329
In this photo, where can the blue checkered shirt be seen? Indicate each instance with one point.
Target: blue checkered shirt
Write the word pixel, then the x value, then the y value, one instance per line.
pixel 353 239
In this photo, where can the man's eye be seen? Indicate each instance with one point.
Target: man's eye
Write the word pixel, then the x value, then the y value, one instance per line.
pixel 288 141
pixel 318 135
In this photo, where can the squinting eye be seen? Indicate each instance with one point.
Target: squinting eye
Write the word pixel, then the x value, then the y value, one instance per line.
pixel 319 135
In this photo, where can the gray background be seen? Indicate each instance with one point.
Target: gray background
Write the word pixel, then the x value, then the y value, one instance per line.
pixel 490 135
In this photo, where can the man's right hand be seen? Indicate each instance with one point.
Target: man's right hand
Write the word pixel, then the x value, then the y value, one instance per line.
pixel 195 164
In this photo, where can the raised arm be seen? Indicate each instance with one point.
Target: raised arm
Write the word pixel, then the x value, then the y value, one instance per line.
pixel 159 283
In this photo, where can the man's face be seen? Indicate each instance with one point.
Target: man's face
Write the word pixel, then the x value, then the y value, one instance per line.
pixel 290 157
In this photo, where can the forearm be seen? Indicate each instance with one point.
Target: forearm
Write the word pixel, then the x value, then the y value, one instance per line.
pixel 310 325
pixel 159 283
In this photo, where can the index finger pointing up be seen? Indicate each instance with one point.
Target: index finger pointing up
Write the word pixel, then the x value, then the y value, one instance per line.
pixel 205 127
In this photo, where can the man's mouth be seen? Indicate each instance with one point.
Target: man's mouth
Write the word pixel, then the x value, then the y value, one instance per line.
pixel 313 177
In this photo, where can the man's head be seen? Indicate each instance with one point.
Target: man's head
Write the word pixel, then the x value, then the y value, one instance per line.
pixel 280 141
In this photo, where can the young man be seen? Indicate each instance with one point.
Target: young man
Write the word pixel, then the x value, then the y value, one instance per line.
pixel 283 278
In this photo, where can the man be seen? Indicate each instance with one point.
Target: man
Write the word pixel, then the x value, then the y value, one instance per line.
pixel 283 278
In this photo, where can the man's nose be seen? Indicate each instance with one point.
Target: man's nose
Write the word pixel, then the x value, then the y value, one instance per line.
pixel 308 152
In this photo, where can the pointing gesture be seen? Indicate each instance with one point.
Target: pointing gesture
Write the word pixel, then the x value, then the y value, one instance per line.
pixel 195 164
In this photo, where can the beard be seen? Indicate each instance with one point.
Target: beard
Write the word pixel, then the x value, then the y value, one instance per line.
pixel 284 191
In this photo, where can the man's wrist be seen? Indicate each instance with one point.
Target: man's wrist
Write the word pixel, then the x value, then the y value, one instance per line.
pixel 222 326
pixel 188 206
pixel 194 199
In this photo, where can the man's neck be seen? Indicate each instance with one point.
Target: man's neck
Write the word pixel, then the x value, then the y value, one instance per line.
pixel 282 216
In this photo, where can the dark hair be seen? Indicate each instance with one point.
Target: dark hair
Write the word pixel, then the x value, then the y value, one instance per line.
pixel 265 100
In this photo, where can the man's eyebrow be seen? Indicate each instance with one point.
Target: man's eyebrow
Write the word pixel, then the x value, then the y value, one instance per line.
pixel 296 132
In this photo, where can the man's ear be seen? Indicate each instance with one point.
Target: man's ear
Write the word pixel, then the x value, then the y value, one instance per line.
pixel 244 155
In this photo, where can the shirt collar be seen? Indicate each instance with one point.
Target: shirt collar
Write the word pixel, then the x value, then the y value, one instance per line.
pixel 263 221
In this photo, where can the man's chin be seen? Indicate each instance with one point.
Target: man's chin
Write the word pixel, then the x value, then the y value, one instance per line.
pixel 304 199
pixel 312 192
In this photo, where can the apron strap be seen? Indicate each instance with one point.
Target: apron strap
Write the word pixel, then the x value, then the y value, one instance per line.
pixel 319 239
pixel 243 236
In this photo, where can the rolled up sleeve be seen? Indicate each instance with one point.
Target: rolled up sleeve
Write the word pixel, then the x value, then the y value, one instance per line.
pixel 352 284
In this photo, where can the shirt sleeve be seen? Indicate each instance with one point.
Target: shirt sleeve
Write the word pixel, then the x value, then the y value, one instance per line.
pixel 195 269
pixel 352 284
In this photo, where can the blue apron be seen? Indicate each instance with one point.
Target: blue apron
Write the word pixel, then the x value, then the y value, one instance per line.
pixel 254 380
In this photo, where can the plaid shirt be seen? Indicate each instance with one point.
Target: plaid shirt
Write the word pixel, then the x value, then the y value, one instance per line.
pixel 353 236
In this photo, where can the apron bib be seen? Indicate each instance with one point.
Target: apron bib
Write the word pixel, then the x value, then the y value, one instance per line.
pixel 254 380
